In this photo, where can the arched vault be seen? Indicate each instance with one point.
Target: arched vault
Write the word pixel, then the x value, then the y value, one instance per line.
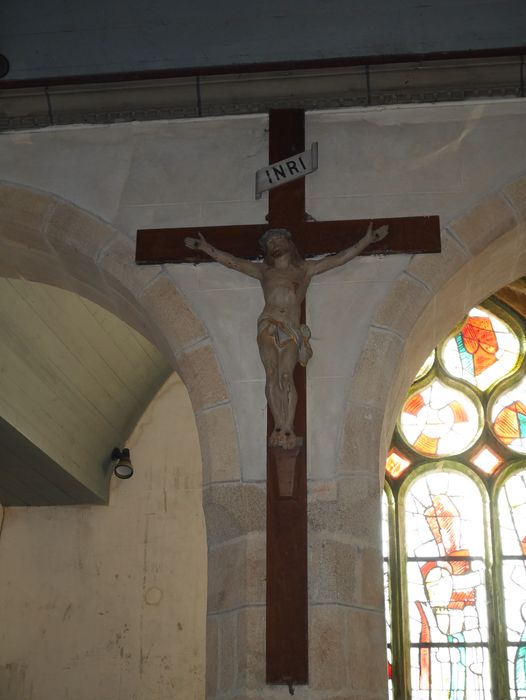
pixel 61 345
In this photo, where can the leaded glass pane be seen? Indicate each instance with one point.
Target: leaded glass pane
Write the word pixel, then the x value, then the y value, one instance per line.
pixel 512 525
pixel 465 683
pixel 517 671
pixel 508 417
pixel 439 421
pixel 514 577
pixel 428 363
pixel 512 515
pixel 483 351
pixel 448 628
pixel 486 460
pixel 387 590
pixel 389 673
pixel 396 463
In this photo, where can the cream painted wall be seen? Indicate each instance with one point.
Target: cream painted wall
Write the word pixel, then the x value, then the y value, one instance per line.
pixel 392 161
pixel 110 602
pixel 381 161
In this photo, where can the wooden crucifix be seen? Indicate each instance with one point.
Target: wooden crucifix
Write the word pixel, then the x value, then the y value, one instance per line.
pixel 287 585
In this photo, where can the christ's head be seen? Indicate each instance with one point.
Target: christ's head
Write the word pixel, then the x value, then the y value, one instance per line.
pixel 277 242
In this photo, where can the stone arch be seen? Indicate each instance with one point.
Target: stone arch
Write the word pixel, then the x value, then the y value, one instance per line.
pixel 483 250
pixel 44 238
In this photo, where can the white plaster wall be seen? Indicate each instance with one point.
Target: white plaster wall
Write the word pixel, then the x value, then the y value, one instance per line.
pixel 110 602
pixel 386 161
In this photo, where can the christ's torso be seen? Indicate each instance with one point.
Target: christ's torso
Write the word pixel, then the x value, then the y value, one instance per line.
pixel 284 290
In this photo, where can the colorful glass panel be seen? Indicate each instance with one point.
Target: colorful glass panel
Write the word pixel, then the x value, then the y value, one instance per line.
pixel 512 525
pixel 396 463
pixel 387 591
pixel 439 421
pixel 464 688
pixel 483 351
pixel 426 366
pixel 448 629
pixel 486 460
pixel 508 417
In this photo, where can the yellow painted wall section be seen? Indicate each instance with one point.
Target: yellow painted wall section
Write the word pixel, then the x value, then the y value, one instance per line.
pixel 110 601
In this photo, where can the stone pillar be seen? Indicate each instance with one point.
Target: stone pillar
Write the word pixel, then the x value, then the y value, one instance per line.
pixel 235 517
pixel 347 628
pixel 347 624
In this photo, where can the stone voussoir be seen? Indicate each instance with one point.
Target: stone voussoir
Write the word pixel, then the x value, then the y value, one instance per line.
pixel 118 260
pixel 219 444
pixel 405 303
pixel 360 442
pixel 32 207
pixel 484 224
pixel 435 269
pixel 515 193
pixel 20 235
pixel 181 326
pixel 201 373
pixel 376 367
pixel 72 228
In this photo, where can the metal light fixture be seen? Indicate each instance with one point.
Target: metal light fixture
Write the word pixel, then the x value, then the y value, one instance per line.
pixel 124 468
pixel 4 66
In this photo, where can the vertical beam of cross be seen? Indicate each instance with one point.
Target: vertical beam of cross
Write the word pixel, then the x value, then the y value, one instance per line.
pixel 287 585
pixel 287 589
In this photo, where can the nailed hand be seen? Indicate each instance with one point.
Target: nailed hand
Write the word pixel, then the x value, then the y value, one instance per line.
pixel 196 243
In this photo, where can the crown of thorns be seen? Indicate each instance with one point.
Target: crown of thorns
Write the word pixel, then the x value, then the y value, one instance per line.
pixel 271 233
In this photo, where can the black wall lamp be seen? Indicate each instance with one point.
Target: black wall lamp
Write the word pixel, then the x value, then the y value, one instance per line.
pixel 124 468
pixel 4 66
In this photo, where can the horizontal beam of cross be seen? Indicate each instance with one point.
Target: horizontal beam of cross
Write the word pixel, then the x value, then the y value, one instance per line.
pixel 416 234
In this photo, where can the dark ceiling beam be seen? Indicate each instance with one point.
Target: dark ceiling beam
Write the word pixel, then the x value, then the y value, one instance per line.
pixel 263 67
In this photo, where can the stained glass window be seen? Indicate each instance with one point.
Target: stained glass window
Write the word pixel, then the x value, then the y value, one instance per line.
pixel 387 591
pixel 483 351
pixel 508 415
pixel 438 420
pixel 426 366
pixel 448 631
pixel 487 460
pixel 512 519
pixel 457 476
pixel 396 463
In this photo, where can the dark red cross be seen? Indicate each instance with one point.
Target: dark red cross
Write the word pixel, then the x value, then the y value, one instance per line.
pixel 287 583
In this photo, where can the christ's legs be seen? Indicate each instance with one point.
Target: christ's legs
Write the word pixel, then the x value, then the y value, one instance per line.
pixel 269 353
pixel 288 357
pixel 279 363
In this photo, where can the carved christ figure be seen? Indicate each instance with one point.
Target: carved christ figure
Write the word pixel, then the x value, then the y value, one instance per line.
pixel 282 340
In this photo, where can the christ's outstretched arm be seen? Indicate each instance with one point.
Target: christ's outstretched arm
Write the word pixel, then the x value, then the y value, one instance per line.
pixel 316 267
pixel 247 267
